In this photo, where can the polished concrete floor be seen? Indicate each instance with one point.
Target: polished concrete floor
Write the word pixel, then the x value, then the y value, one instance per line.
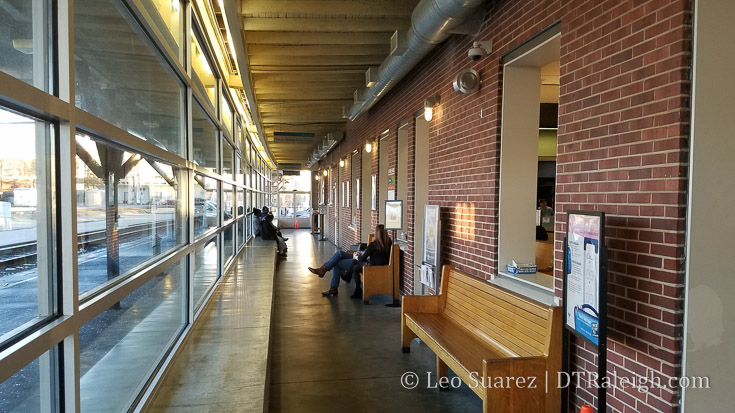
pixel 337 355
pixel 223 365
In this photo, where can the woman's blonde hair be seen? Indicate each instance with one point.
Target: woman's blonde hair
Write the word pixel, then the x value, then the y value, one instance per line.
pixel 382 239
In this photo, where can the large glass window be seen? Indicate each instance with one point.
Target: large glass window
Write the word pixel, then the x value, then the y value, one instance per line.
pixel 203 75
pixel 204 139
pixel 26 239
pixel 120 78
pixel 227 168
pixel 228 202
pixel 130 208
pixel 122 347
pixel 206 268
pixel 24 41
pixel 168 17
pixel 206 204
pixel 32 388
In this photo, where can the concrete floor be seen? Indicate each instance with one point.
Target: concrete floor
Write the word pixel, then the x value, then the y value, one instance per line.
pixel 337 355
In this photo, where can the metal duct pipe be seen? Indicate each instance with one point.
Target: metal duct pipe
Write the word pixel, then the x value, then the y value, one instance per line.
pixel 431 24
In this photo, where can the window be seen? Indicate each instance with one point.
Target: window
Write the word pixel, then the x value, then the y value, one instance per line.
pixel 228 202
pixel 120 78
pixel 168 17
pixel 206 204
pixel 228 243
pixel 527 158
pixel 227 153
pixel 136 332
pixel 204 139
pixel 26 230
pixel 24 42
pixel 130 208
pixel 206 268
pixel 227 115
pixel 202 74
pixel 29 389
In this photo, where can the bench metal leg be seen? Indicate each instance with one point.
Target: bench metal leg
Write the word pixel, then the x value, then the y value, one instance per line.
pixel 442 371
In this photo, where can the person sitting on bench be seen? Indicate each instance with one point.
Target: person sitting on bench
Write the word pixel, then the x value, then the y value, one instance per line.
pixel 270 232
pixel 341 264
pixel 376 253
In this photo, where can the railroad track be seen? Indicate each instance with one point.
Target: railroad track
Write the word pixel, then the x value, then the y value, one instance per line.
pixel 23 253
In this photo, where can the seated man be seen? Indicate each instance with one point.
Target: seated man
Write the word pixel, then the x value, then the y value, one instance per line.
pixel 270 232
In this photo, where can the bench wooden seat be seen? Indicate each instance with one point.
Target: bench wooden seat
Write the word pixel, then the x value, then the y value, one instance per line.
pixel 382 279
pixel 485 334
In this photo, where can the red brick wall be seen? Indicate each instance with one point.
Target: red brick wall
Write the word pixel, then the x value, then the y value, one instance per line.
pixel 622 149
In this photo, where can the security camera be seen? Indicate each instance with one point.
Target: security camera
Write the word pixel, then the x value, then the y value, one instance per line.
pixel 478 49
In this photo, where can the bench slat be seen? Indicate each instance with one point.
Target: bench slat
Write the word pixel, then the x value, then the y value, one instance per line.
pixel 498 319
pixel 517 301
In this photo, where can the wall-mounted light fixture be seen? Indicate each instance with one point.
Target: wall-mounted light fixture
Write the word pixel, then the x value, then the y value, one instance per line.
pixel 429 104
pixel 341 163
pixel 316 177
pixel 325 172
pixel 368 147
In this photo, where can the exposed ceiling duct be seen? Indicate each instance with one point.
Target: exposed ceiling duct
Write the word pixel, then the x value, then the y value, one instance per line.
pixel 432 22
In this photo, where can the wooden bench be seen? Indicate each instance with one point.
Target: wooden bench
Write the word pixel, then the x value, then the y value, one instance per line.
pixel 485 334
pixel 382 279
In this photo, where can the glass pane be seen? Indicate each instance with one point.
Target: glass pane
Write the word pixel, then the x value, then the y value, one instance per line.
pixel 21 393
pixel 286 207
pixel 121 348
pixel 228 202
pixel 120 78
pixel 227 168
pixel 204 139
pixel 240 170
pixel 130 209
pixel 206 268
pixel 241 232
pixel 167 16
pixel 302 205
pixel 228 243
pixel 249 201
pixel 240 201
pixel 26 239
pixel 24 41
pixel 202 72
pixel 227 115
pixel 206 210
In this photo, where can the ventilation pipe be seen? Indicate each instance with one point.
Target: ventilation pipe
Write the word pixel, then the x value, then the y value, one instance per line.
pixel 432 22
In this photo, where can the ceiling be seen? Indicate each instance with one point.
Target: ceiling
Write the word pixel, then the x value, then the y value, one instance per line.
pixel 307 58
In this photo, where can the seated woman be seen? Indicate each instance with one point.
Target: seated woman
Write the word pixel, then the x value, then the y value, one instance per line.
pixel 342 262
pixel 377 253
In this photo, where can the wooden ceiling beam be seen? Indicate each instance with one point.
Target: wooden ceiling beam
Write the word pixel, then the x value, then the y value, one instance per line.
pixel 286 61
pixel 373 8
pixel 322 75
pixel 323 82
pixel 315 38
pixel 320 50
pixel 338 25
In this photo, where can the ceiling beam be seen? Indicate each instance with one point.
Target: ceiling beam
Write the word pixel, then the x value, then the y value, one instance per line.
pixel 295 76
pixel 339 25
pixel 322 82
pixel 316 61
pixel 320 50
pixel 373 8
pixel 288 97
pixel 316 38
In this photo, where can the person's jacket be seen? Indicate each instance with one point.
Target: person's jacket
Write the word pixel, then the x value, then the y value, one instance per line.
pixel 373 256
pixel 268 231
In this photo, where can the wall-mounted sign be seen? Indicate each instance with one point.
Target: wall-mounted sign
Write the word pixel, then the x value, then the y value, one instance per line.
pixel 374 193
pixel 394 214
pixel 392 184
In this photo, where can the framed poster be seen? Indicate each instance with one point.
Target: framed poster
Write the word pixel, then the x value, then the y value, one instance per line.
pixel 357 193
pixel 585 276
pixel 393 214
pixel 431 235
pixel 374 193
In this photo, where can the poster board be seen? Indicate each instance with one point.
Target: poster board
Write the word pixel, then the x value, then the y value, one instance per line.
pixel 585 286
pixel 374 192
pixel 394 214
pixel 430 257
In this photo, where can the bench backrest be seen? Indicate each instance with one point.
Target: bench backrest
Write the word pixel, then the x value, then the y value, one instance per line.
pixel 512 323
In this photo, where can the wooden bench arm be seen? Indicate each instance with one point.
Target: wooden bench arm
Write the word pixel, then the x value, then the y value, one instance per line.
pixel 421 304
pixel 516 384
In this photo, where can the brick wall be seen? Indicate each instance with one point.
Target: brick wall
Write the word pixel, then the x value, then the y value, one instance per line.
pixel 622 149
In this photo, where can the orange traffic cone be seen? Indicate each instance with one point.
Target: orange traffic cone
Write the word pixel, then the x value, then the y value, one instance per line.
pixel 587 409
pixel 296 224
